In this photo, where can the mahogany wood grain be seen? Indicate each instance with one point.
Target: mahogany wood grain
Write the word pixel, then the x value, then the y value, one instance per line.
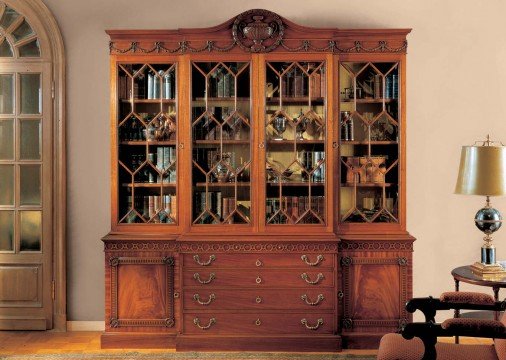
pixel 326 343
pixel 261 278
pixel 275 299
pixel 258 323
pixel 257 260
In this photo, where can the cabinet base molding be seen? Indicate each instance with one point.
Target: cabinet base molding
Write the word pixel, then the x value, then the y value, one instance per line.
pixel 258 343
pixel 362 340
pixel 133 340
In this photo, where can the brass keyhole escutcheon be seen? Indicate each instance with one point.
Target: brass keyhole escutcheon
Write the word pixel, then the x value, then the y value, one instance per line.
pixel 258 263
pixel 258 322
pixel 258 300
pixel 258 280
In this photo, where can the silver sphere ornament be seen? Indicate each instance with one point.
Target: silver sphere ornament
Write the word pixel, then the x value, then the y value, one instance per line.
pixel 488 220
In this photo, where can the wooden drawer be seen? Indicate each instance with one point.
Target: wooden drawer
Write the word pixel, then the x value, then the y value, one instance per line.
pixel 258 260
pixel 258 323
pixel 224 299
pixel 258 278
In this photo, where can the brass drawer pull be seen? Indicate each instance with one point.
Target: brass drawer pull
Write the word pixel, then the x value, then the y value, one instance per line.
pixel 258 263
pixel 319 259
pixel 212 321
pixel 196 297
pixel 196 276
pixel 258 280
pixel 258 322
pixel 319 299
pixel 319 323
pixel 258 300
pixel 206 263
pixel 319 278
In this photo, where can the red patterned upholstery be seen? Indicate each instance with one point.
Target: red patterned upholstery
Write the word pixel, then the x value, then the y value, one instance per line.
pixel 474 325
pixel 467 298
pixel 500 344
pixel 395 347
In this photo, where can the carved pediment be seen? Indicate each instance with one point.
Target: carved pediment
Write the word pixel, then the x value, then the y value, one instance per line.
pixel 258 31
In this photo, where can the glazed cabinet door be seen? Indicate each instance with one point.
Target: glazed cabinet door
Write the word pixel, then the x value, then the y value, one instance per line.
pixel 295 143
pixel 371 143
pixel 222 133
pixel 145 144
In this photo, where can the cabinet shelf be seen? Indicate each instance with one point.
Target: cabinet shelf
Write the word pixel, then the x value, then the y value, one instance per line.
pixel 296 183
pixel 144 143
pixel 218 142
pixel 224 99
pixel 367 184
pixel 354 142
pixel 149 185
pixel 295 100
pixel 368 101
pixel 299 142
pixel 149 101
pixel 223 184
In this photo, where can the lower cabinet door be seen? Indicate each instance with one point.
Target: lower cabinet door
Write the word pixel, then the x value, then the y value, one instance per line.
pixel 259 323
pixel 375 288
pixel 140 293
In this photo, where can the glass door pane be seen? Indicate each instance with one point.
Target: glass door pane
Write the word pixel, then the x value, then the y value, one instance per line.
pixel 30 94
pixel 6 139
pixel 369 141
pixel 6 93
pixel 21 157
pixel 147 151
pixel 221 143
pixel 296 135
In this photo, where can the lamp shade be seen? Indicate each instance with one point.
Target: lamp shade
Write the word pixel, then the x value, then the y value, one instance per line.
pixel 482 171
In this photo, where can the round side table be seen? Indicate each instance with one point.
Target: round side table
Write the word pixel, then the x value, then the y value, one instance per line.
pixel 465 274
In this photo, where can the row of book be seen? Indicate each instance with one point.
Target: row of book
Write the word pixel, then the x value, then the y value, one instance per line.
pixel 224 208
pixel 296 83
pixel 153 208
pixel 165 157
pixel 158 85
pixel 221 84
pixel 295 207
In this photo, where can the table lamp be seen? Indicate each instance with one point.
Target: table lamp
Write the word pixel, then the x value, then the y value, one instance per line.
pixel 483 172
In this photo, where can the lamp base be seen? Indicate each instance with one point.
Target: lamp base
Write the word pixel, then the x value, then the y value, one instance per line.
pixel 486 270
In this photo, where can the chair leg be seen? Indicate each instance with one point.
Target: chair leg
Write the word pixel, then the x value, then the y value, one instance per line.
pixel 429 343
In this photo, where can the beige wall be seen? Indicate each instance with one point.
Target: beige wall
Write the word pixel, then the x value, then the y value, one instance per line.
pixel 456 94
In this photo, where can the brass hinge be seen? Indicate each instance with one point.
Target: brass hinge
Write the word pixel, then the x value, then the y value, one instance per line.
pixel 52 90
pixel 53 290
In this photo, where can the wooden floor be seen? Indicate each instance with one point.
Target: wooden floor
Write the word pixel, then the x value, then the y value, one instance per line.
pixel 46 342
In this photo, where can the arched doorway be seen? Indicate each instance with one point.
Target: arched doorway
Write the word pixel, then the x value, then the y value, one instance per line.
pixel 32 168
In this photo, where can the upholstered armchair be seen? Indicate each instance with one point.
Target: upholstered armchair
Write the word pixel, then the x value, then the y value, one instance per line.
pixel 419 340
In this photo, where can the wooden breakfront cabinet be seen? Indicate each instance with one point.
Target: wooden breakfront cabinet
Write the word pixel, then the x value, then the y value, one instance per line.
pixel 258 187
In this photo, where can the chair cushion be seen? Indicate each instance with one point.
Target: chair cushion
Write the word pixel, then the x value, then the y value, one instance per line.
pixel 500 344
pixel 474 326
pixel 395 347
pixel 467 297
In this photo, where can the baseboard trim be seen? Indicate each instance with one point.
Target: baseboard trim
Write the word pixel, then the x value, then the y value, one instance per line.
pixel 85 325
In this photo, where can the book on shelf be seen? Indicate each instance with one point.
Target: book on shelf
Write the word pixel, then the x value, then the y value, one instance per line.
pixel 295 207
pixel 214 202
